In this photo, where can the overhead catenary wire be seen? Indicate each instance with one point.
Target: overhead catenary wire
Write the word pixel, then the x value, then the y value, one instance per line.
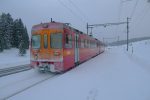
pixel 134 8
pixel 71 11
pixel 78 9
pixel 119 15
pixel 141 16
pixel 144 13
pixel 120 10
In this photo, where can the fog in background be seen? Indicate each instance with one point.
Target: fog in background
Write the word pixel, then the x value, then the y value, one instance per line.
pixel 79 12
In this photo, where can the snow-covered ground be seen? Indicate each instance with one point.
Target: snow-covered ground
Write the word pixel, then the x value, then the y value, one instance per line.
pixel 9 85
pixel 10 58
pixel 113 75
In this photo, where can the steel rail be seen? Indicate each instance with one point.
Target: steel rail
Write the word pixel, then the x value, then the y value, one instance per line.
pixel 30 86
pixel 13 70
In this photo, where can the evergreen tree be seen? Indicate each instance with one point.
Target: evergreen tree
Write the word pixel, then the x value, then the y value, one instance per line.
pixel 22 38
pixel 22 49
pixel 15 42
pixel 7 29
pixel 18 32
pixel 26 38
pixel 2 30
pixel 1 37
pixel 12 33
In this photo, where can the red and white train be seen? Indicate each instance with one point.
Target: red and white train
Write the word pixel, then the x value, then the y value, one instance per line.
pixel 57 47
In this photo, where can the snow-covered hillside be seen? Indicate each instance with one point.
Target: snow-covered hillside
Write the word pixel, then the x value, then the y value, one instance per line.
pixel 10 58
pixel 114 75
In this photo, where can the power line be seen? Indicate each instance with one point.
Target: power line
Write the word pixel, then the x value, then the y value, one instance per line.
pixel 120 7
pixel 120 10
pixel 78 9
pixel 71 11
pixel 134 9
pixel 112 24
pixel 144 13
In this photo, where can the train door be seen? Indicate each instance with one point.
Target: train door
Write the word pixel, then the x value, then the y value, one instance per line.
pixel 76 49
pixel 45 50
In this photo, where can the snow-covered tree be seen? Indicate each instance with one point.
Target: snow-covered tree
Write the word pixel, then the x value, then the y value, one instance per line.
pixel 12 33
pixel 1 37
pixel 22 38
pixel 26 38
pixel 7 29
pixel 18 32
pixel 22 49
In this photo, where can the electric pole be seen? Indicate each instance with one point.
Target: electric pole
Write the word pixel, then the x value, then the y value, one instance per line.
pixel 127 33
pixel 110 24
pixel 87 28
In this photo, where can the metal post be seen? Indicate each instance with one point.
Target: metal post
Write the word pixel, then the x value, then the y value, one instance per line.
pixel 91 31
pixel 127 33
pixel 87 28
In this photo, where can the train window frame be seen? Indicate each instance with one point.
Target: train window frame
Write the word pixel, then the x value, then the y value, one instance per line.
pixel 85 43
pixel 45 41
pixel 54 46
pixel 88 44
pixel 68 40
pixel 36 41
pixel 82 43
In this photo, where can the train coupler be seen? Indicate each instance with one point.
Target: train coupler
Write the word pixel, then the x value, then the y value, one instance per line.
pixel 47 68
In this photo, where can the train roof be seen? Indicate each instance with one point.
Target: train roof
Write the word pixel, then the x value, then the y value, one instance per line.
pixel 52 25
pixel 57 25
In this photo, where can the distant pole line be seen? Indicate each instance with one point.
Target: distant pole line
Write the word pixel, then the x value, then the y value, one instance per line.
pixel 111 24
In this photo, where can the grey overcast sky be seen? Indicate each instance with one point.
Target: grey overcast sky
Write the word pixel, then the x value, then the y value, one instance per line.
pixel 79 12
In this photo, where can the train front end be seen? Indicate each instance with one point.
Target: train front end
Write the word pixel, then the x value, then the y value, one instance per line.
pixel 47 47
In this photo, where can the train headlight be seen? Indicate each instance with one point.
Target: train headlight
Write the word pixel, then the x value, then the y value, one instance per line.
pixel 56 53
pixel 36 56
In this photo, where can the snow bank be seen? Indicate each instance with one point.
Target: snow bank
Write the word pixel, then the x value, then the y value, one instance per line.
pixel 10 58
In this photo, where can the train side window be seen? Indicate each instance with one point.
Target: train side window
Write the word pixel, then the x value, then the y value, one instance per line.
pixel 86 43
pixel 79 42
pixel 45 41
pixel 82 43
pixel 68 41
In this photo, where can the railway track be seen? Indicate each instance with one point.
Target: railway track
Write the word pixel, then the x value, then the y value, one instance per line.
pixel 28 87
pixel 12 70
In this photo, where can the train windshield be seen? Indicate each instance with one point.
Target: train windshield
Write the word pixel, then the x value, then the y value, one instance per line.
pixel 56 40
pixel 36 41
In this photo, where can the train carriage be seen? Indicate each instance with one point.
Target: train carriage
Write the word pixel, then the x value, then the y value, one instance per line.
pixel 57 47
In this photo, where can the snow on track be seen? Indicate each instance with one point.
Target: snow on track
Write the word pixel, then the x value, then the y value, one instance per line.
pixel 19 82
